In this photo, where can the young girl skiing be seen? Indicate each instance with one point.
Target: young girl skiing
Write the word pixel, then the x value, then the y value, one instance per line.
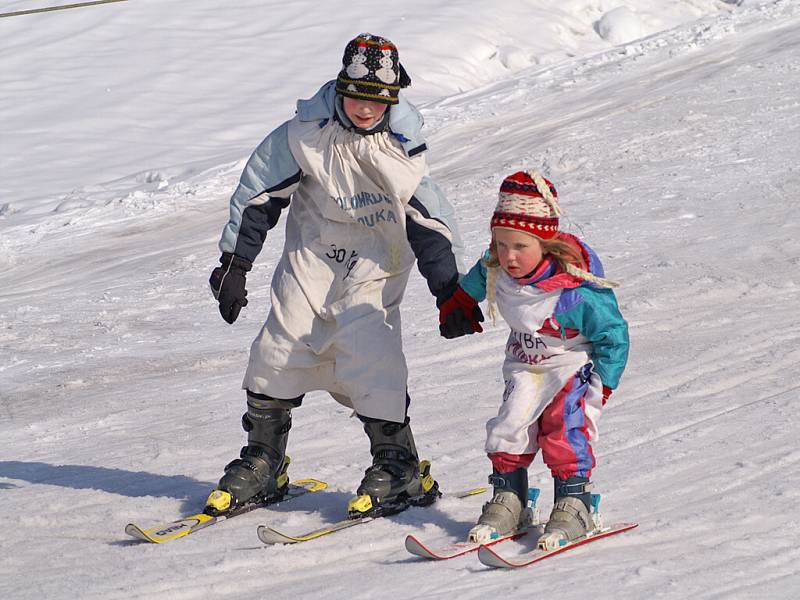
pixel 362 210
pixel 567 349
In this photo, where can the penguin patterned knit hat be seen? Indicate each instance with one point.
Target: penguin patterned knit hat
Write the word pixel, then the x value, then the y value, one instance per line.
pixel 371 70
pixel 528 202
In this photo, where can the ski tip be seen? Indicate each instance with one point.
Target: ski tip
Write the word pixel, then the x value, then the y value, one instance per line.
pixel 415 547
pixel 451 549
pixel 488 557
pixel 136 532
pixel 269 536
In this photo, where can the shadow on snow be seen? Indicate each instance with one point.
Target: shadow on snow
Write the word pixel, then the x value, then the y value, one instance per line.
pixel 136 484
pixel 115 481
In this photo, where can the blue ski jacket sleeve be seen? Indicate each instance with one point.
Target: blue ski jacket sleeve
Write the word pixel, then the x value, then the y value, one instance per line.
pixel 474 282
pixel 433 235
pixel 267 182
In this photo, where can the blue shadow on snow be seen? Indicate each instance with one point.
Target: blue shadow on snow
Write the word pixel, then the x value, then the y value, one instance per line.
pixel 116 481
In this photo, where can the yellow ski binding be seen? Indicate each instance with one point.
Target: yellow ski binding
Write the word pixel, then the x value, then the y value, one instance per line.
pixel 359 504
pixel 425 476
pixel 219 500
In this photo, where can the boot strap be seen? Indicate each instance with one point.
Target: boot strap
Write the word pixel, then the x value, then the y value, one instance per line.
pixel 256 452
pixel 506 481
pixel 573 489
pixel 248 425
pixel 238 462
pixel 392 454
pixel 497 480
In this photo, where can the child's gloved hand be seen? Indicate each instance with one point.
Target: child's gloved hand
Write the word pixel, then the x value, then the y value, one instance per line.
pixel 459 314
pixel 227 284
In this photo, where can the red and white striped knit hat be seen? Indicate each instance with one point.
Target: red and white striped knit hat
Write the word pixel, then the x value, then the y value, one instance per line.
pixel 528 202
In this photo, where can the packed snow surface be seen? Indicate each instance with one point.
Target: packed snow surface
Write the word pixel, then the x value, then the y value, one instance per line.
pixel 671 131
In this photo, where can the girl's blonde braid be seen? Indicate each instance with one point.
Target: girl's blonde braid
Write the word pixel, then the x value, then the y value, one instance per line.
pixel 601 281
pixel 544 190
pixel 491 292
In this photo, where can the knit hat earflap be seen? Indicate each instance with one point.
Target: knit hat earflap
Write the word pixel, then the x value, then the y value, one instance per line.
pixel 371 70
pixel 528 202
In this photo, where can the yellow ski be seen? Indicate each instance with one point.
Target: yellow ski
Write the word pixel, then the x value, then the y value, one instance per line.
pixel 172 530
pixel 271 536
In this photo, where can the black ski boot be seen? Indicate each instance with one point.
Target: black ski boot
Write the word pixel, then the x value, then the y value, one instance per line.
pixel 259 474
pixel 507 511
pixel 396 479
pixel 571 517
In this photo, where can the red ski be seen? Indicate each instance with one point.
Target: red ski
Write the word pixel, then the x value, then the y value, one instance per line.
pixel 489 556
pixel 454 549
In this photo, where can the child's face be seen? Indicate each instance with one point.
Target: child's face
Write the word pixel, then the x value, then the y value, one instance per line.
pixel 363 113
pixel 519 252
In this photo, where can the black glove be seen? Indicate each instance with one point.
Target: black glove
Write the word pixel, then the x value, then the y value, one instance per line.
pixel 459 313
pixel 227 284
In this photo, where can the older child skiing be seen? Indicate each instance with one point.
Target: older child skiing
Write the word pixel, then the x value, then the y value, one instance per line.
pixel 362 209
pixel 567 350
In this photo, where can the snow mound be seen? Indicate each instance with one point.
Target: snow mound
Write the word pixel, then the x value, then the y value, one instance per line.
pixel 620 26
pixel 514 58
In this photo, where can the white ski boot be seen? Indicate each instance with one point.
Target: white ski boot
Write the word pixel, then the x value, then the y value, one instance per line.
pixel 571 517
pixel 507 512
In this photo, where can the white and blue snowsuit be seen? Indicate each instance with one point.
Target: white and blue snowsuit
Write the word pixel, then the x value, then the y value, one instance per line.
pixel 362 210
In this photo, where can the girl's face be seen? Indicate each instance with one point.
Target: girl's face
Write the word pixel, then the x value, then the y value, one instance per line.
pixel 519 253
pixel 363 113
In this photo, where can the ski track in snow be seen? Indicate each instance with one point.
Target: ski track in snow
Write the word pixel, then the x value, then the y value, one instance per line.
pixel 674 157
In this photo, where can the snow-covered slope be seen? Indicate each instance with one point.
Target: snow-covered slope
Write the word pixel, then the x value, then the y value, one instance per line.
pixel 124 128
pixel 98 93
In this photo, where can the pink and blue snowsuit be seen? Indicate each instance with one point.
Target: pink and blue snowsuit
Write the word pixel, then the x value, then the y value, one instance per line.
pixel 568 340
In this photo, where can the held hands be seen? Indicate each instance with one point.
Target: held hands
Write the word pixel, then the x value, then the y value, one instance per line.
pixel 227 284
pixel 459 314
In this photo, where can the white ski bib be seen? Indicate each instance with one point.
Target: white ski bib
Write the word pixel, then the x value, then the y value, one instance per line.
pixel 335 319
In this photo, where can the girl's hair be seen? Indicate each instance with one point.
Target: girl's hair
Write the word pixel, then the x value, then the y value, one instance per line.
pixel 563 252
